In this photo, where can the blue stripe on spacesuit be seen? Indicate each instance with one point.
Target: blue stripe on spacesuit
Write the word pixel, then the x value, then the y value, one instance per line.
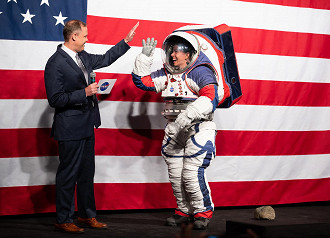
pixel 138 83
pixel 158 73
pixel 167 155
pixel 197 128
pixel 210 152
pixel 215 100
pixel 204 190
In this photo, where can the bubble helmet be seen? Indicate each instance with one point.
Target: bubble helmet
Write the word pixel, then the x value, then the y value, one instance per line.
pixel 181 41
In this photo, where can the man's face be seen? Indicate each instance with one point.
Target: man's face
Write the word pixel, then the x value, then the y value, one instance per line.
pixel 179 57
pixel 80 38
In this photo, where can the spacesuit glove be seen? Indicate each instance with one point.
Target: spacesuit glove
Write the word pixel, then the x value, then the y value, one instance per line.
pixel 148 47
pixel 172 129
pixel 183 120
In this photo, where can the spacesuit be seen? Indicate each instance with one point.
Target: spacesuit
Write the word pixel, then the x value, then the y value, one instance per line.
pixel 189 86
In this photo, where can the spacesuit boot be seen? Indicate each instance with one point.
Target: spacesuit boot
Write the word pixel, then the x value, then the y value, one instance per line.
pixel 177 220
pixel 201 223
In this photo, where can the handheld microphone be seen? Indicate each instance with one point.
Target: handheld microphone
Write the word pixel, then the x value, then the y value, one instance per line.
pixel 93 75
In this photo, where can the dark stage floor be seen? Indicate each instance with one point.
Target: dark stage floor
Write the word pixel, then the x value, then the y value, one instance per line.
pixel 311 219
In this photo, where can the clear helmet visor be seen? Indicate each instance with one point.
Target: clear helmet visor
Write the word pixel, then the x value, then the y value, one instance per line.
pixel 179 52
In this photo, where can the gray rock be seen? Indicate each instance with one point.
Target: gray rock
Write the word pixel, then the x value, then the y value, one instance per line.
pixel 264 213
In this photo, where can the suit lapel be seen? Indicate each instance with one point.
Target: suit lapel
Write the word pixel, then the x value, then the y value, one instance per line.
pixel 73 64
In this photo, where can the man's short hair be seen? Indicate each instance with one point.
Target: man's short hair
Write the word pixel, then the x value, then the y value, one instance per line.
pixel 71 27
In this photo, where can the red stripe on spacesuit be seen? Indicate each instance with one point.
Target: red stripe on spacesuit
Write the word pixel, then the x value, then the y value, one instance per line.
pixel 147 81
pixel 208 91
pixel 178 212
pixel 207 214
pixel 222 28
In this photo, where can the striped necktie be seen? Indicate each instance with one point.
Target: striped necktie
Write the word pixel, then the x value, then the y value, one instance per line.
pixel 82 67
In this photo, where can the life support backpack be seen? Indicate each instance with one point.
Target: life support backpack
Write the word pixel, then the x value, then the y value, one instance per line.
pixel 216 43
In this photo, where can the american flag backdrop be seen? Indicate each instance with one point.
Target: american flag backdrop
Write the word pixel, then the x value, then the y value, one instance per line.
pixel 273 146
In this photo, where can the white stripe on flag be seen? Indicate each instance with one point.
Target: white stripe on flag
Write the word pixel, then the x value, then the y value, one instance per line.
pixel 233 13
pixel 31 171
pixel 36 113
pixel 22 55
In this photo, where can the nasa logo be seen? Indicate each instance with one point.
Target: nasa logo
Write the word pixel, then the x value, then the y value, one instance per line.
pixel 172 89
pixel 104 86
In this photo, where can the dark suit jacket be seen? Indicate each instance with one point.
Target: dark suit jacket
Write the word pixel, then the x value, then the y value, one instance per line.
pixel 75 116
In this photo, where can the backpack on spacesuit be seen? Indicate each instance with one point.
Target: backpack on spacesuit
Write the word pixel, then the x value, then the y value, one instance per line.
pixel 216 43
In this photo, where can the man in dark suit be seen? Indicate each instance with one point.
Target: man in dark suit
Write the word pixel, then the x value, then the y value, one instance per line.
pixel 72 94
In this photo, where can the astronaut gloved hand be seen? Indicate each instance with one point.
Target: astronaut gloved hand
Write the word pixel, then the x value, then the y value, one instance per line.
pixel 148 47
pixel 172 129
pixel 183 120
pixel 143 61
pixel 199 109
pixel 190 114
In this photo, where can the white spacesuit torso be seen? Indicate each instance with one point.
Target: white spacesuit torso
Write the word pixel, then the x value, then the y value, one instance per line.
pixel 177 88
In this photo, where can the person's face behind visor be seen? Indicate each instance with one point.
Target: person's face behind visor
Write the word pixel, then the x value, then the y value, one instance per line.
pixel 179 58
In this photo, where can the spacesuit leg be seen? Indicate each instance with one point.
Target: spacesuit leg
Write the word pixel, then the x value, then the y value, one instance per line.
pixel 173 152
pixel 200 151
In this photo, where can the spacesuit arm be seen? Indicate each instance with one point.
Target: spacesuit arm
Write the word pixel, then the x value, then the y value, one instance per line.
pixel 154 82
pixel 142 65
pixel 201 108
pixel 144 83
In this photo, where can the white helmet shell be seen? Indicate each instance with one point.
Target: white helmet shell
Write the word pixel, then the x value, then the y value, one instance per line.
pixel 166 52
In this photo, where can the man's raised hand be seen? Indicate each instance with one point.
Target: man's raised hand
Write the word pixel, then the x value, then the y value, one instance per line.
pixel 131 33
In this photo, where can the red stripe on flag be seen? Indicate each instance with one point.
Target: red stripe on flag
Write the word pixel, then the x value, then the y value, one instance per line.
pixel 122 196
pixel 128 142
pixel 27 199
pixel 256 143
pixel 228 143
pixel 258 41
pixel 147 142
pixel 22 84
pixel 270 192
pixel 284 93
pixel 27 143
pixel 18 81
pixel 119 27
pixel 255 92
pixel 318 4
pixel 133 196
pixel 246 40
